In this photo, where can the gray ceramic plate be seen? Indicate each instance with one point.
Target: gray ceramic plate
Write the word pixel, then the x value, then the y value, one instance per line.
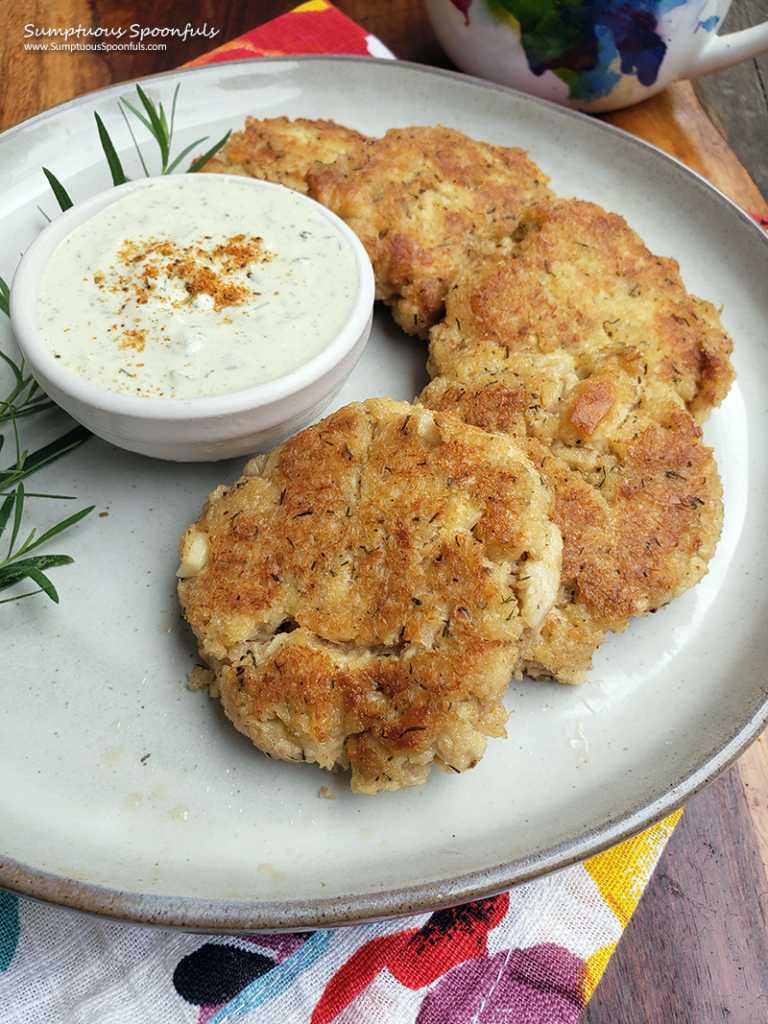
pixel 128 795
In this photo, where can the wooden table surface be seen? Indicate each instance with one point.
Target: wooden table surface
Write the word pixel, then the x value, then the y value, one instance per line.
pixel 696 950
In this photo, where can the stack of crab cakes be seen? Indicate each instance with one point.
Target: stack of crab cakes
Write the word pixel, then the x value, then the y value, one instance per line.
pixel 587 347
pixel 365 593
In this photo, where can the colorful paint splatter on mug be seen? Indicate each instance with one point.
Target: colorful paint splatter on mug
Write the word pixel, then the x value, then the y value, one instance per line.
pixel 582 41
pixel 592 54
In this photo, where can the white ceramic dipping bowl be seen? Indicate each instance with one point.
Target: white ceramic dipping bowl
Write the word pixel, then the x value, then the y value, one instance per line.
pixel 197 429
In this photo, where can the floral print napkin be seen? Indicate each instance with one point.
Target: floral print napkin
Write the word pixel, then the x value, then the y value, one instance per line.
pixel 529 956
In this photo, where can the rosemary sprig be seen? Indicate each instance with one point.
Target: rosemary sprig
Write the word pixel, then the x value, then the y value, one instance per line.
pixel 19 564
pixel 25 397
pixel 159 126
pixel 162 131
pixel 62 196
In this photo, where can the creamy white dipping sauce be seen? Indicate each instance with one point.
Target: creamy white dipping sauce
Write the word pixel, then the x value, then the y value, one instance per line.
pixel 203 288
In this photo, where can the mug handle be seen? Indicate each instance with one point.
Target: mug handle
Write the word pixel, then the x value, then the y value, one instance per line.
pixel 723 51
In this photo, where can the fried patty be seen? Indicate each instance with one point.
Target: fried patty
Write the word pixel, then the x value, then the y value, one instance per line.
pixel 581 281
pixel 638 498
pixel 281 150
pixel 366 592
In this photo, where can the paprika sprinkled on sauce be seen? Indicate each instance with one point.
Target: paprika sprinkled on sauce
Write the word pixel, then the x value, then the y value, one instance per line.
pixel 203 288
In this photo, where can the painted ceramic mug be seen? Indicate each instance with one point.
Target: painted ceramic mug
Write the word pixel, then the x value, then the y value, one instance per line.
pixel 594 55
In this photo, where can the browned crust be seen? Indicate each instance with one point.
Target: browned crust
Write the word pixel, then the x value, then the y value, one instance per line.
pixel 421 199
pixel 580 280
pixel 281 150
pixel 640 510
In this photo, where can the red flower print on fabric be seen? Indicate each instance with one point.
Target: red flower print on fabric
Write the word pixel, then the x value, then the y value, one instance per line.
pixel 357 974
pixel 450 937
pixel 416 957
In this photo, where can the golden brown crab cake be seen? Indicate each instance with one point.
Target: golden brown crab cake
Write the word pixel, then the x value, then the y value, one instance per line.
pixel 580 281
pixel 366 592
pixel 637 496
pixel 421 199
pixel 282 151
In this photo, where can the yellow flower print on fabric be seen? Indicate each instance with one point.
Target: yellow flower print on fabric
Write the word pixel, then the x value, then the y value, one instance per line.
pixel 621 874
